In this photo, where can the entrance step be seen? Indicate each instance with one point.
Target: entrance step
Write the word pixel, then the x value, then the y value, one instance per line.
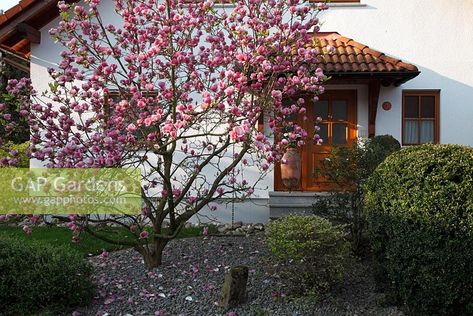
pixel 286 203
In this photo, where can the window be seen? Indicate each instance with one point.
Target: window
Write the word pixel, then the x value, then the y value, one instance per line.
pixel 420 117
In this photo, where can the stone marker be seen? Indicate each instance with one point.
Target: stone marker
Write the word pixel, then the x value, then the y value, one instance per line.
pixel 234 287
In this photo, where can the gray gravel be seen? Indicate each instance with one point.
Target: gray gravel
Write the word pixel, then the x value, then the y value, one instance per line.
pixel 190 281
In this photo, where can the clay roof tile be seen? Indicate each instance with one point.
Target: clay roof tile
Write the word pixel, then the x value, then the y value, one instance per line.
pixel 356 57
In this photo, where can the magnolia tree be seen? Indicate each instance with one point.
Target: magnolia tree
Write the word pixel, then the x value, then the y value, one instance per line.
pixel 177 89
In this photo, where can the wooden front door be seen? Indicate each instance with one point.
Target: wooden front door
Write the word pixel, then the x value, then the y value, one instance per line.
pixel 337 108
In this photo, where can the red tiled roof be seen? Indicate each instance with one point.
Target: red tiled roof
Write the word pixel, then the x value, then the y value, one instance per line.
pixel 15 10
pixel 350 56
pixel 32 14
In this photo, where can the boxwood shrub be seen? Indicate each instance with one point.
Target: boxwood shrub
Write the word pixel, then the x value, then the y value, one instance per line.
pixel 419 205
pixel 313 252
pixel 36 277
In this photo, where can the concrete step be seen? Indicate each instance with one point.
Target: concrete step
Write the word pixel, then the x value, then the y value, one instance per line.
pixel 286 203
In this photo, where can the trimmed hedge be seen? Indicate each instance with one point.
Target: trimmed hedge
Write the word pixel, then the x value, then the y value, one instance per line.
pixel 38 277
pixel 314 254
pixel 419 206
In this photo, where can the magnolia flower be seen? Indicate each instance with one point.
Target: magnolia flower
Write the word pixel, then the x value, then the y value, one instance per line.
pixel 144 234
pixel 27 229
pixel 131 128
pixel 229 91
pixel 322 6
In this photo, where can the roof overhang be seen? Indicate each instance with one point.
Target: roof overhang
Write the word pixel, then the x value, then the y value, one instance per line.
pixel 20 25
pixel 386 79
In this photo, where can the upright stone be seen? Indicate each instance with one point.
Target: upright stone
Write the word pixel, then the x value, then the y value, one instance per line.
pixel 234 287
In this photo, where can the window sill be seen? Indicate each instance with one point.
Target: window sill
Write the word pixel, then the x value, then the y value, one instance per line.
pixel 347 5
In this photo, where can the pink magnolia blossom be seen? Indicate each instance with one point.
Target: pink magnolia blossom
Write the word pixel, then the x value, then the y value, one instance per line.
pixel 144 234
pixel 27 229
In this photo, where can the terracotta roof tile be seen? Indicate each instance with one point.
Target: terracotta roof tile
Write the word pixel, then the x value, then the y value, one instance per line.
pixel 13 11
pixel 351 56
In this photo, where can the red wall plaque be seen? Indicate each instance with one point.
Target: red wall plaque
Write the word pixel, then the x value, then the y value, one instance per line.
pixel 387 106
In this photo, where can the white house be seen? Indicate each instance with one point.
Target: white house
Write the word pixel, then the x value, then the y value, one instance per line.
pixel 403 68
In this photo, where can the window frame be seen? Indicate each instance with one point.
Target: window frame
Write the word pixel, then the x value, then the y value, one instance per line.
pixel 344 1
pixel 419 94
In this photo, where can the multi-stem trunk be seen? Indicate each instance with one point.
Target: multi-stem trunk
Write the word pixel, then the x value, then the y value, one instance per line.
pixel 153 255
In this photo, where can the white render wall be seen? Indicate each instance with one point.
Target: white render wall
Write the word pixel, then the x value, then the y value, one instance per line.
pixel 435 35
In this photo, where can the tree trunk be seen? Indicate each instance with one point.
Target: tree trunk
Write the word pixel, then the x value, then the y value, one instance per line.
pixel 153 253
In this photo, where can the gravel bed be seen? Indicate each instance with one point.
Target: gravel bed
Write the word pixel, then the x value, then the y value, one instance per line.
pixel 190 280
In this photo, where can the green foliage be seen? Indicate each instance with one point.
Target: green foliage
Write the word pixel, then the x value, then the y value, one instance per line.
pixel 21 131
pixel 350 167
pixel 419 206
pixel 88 245
pixel 20 149
pixel 37 277
pixel 313 252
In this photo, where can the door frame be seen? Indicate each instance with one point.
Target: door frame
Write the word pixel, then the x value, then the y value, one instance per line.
pixel 306 153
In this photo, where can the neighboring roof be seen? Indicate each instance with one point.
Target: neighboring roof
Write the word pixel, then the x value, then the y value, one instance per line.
pixel 20 25
pixel 353 58
pixel 10 13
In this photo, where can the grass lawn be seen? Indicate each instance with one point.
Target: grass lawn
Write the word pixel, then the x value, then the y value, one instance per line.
pixel 88 245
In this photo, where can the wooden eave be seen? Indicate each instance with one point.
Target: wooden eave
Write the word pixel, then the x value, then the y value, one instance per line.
pixel 20 25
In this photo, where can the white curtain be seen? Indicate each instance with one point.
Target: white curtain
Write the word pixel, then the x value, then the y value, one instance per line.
pixel 411 132
pixel 427 132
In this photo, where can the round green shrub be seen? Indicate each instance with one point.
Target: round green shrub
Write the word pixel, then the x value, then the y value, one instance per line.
pixel 419 206
pixel 314 252
pixel 386 143
pixel 37 277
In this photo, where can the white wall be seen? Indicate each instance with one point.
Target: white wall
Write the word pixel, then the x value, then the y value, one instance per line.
pixel 435 35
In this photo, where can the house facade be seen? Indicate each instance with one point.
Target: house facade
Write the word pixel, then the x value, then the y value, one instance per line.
pixel 402 68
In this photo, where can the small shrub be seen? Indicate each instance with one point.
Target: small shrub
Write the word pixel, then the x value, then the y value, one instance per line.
pixel 313 252
pixel 419 206
pixel 38 277
pixel 350 167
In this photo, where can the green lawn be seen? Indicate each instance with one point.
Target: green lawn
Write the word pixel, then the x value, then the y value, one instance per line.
pixel 88 245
